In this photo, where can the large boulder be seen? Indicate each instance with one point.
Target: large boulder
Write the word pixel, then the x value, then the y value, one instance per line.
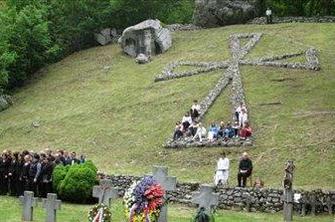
pixel 148 38
pixel 213 13
pixel 105 36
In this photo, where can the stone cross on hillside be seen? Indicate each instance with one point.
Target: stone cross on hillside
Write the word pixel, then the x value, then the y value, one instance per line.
pixel 29 202
pixel 51 205
pixel 160 174
pixel 206 198
pixel 232 74
pixel 105 192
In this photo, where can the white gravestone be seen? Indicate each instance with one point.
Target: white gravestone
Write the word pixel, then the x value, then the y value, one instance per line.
pixel 51 205
pixel 206 198
pixel 29 202
pixel 160 174
pixel 105 192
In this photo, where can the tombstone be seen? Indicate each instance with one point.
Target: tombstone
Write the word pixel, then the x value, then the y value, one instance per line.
pixel 329 204
pixel 312 202
pixel 105 192
pixel 160 174
pixel 51 205
pixel 288 191
pixel 29 202
pixel 206 198
pixel 304 202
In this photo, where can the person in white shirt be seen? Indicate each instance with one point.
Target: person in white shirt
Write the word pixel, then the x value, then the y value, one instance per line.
pixel 243 118
pixel 238 110
pixel 186 121
pixel 195 110
pixel 222 170
pixel 201 132
pixel 268 14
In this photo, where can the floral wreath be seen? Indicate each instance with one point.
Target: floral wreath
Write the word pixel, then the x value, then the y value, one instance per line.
pixel 144 200
pixel 100 213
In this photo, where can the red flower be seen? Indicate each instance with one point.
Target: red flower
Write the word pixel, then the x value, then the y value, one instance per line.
pixel 154 196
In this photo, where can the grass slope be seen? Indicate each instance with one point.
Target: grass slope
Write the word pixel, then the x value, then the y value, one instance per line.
pixel 101 103
pixel 10 211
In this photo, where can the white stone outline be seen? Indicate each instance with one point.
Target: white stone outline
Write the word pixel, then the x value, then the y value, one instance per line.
pixel 232 75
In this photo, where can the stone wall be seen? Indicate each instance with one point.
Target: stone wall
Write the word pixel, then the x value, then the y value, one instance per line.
pixel 324 19
pixel 249 199
pixel 182 27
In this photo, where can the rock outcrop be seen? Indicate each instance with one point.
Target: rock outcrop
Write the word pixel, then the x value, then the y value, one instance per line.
pixel 5 102
pixel 214 13
pixel 148 38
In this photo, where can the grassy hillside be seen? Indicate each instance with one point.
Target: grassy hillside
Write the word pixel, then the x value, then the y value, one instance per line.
pixel 10 211
pixel 101 103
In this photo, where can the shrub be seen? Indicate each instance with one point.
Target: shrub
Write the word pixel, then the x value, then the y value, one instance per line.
pixel 58 175
pixel 75 183
pixel 90 164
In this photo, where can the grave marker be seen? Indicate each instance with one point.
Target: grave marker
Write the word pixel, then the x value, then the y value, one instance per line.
pixel 206 198
pixel 330 204
pixel 288 191
pixel 29 202
pixel 312 202
pixel 51 205
pixel 105 192
pixel 160 174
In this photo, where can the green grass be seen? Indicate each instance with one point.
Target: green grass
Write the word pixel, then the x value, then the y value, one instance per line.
pixel 119 117
pixel 10 211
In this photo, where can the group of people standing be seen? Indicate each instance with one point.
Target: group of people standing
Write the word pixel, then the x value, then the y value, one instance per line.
pixel 32 171
pixel 191 127
pixel 245 169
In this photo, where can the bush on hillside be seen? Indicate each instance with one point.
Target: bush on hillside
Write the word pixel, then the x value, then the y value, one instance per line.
pixel 77 184
pixel 58 175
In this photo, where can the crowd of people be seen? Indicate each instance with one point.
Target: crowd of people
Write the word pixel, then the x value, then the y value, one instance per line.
pixel 32 171
pixel 244 171
pixel 191 127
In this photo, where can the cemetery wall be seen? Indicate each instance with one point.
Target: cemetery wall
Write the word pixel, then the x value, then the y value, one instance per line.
pixel 263 200
pixel 323 19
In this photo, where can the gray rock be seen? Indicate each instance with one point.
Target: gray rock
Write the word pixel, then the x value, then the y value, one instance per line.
pixel 213 13
pixel 142 59
pixel 105 36
pixel 148 38
pixel 5 102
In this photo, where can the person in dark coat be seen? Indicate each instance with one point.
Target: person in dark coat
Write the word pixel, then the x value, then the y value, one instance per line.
pixel 14 174
pixel 34 174
pixel 20 183
pixel 25 173
pixel 244 170
pixel 46 176
pixel 5 161
pixel 74 159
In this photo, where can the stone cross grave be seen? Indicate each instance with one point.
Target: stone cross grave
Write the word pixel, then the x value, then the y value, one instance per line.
pixel 160 174
pixel 206 198
pixel 105 192
pixel 313 203
pixel 51 205
pixel 232 74
pixel 288 192
pixel 330 204
pixel 304 201
pixel 29 202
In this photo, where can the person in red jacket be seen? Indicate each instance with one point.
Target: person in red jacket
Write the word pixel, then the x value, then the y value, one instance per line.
pixel 246 131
